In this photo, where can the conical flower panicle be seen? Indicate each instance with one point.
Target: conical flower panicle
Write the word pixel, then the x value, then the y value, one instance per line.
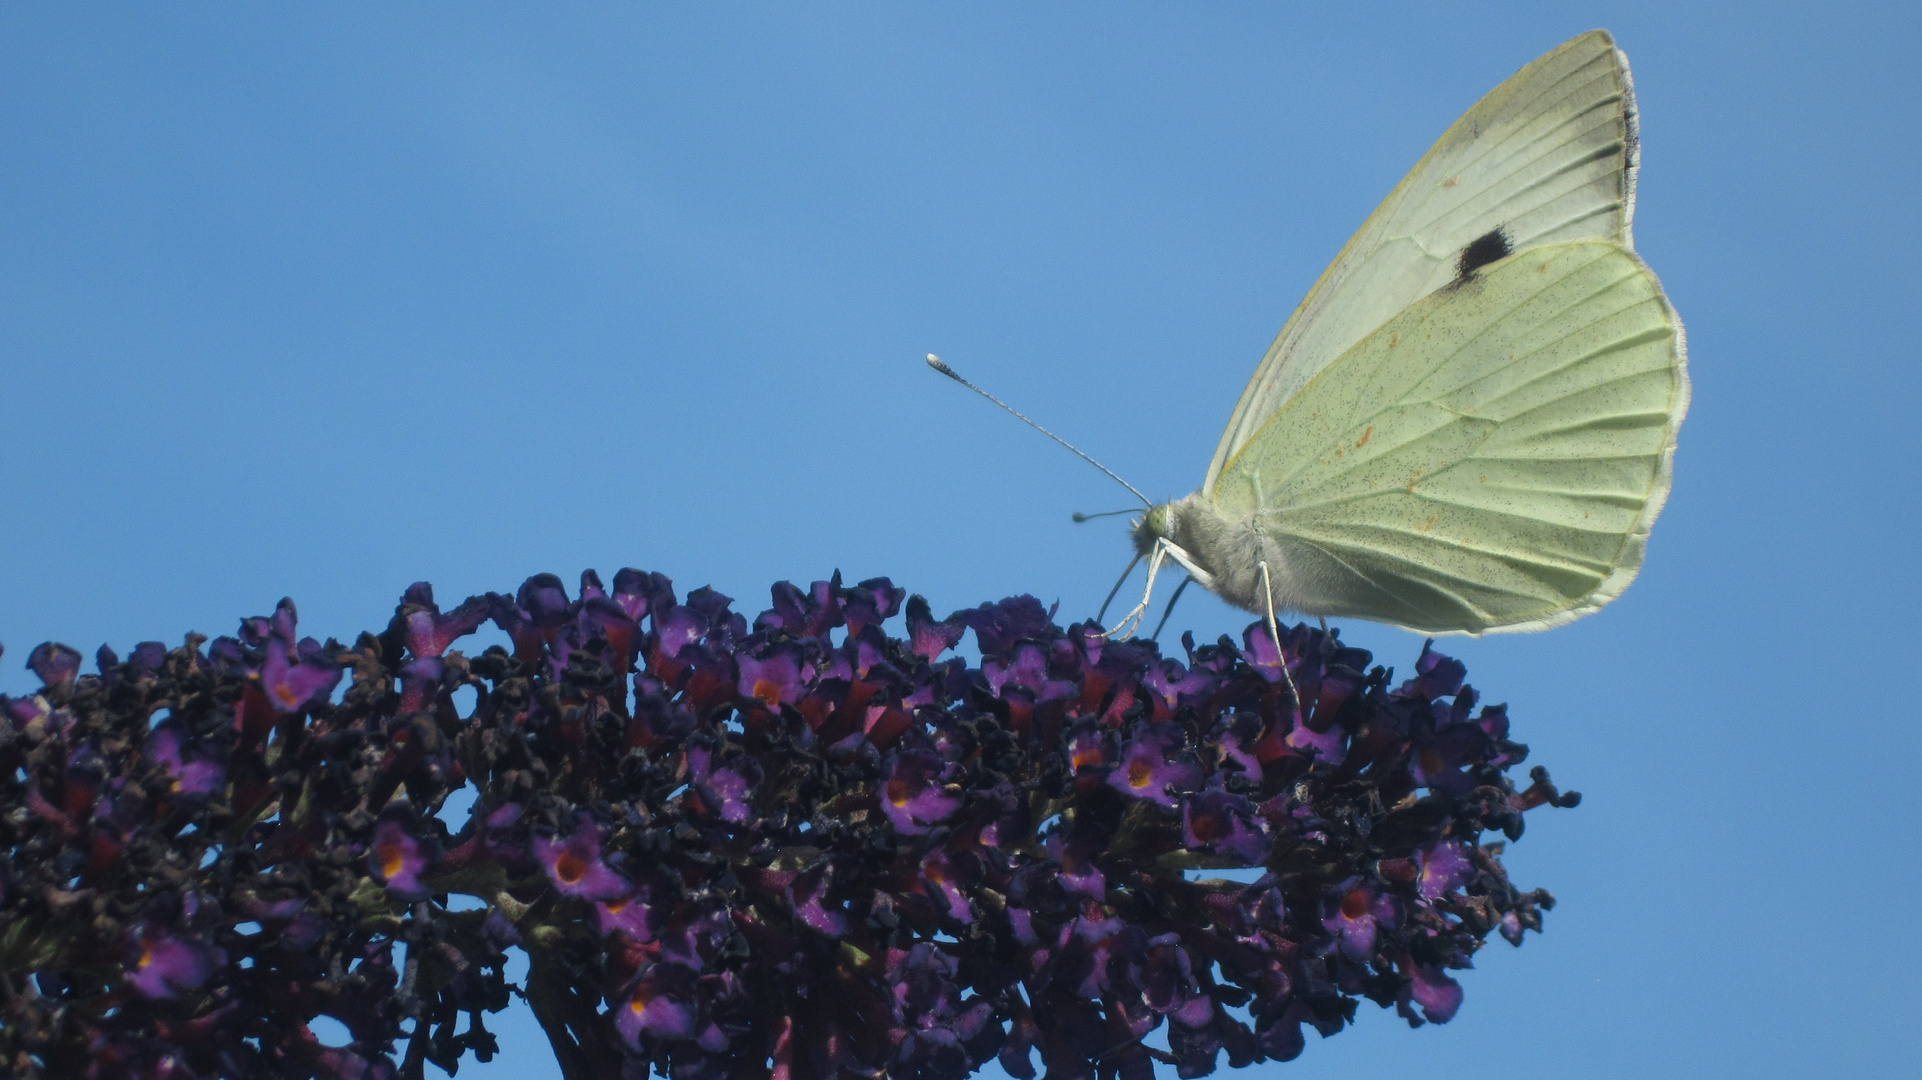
pixel 789 847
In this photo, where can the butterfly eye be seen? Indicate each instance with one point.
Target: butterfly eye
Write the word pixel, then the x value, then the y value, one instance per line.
pixel 1155 525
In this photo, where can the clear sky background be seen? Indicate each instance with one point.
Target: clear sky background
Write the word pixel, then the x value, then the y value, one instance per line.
pixel 322 301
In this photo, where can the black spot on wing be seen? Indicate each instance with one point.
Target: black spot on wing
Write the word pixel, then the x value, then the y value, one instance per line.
pixel 1491 246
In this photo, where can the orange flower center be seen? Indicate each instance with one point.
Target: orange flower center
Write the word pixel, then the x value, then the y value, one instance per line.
pixel 900 791
pixel 1355 904
pixel 570 867
pixel 1140 773
pixel 767 693
pixel 392 860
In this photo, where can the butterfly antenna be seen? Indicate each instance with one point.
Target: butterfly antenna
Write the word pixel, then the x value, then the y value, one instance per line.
pixel 1080 517
pixel 935 363
pixel 1117 588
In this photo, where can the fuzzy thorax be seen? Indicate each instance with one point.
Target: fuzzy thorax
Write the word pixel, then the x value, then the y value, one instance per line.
pixel 1224 556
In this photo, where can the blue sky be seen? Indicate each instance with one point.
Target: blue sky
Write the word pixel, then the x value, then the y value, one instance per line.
pixel 320 302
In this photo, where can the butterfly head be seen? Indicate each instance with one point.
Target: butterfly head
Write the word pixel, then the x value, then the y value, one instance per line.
pixel 1157 524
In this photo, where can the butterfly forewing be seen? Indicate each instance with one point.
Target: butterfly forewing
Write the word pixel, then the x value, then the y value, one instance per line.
pixel 1489 459
pixel 1546 157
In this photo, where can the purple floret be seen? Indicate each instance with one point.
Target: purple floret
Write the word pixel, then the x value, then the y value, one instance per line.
pixel 397 860
pixel 290 682
pixel 773 681
pixel 928 638
pixel 1356 914
pixel 429 632
pixel 632 915
pixel 723 790
pixel 573 863
pixel 1225 823
pixel 912 794
pixel 57 665
pixel 1150 769
pixel 651 1010
pixel 190 775
pixel 998 627
pixel 164 965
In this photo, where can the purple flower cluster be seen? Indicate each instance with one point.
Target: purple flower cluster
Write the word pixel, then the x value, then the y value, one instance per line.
pixel 798 849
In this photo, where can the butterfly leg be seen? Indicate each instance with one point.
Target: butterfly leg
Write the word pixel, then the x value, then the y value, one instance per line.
pixel 1170 609
pixel 1140 611
pixel 1117 588
pixel 1274 634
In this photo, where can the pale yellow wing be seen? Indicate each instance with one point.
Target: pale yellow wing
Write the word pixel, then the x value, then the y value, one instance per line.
pixel 1546 157
pixel 1490 459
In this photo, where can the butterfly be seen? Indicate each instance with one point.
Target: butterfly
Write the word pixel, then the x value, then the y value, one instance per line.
pixel 1468 425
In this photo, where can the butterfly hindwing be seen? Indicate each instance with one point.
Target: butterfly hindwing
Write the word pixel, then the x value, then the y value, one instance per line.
pixel 1489 459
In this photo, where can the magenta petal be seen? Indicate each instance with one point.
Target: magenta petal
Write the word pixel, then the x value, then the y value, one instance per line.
pixel 191 776
pixel 630 915
pixel 871 603
pixel 773 681
pixel 809 893
pixel 429 632
pixel 1027 670
pixel 1326 746
pixel 1436 675
pixel 928 638
pixel 199 777
pixel 1168 680
pixel 1438 995
pixel 731 788
pixel 1444 868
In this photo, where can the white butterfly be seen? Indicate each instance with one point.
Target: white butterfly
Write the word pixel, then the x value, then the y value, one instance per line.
pixel 1468 425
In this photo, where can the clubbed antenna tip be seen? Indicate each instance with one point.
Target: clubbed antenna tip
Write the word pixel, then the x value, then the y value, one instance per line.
pixel 936 363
